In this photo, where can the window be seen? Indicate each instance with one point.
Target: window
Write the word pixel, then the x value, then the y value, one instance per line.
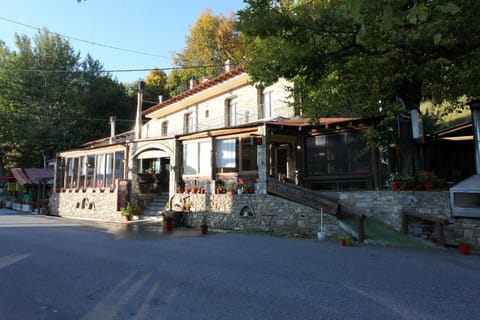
pixel 119 165
pixel 164 128
pixel 234 157
pixel 94 170
pixel 100 165
pixel 336 154
pixel 83 171
pixel 232 112
pixel 109 170
pixel 190 159
pixel 267 104
pixel 205 157
pixel 197 158
pixel 69 173
pixel 226 155
pixel 248 155
pixel 90 170
pixel 188 123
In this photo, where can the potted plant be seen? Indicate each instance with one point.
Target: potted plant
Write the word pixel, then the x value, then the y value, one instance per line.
pixel 428 180
pixel 219 186
pixel 239 188
pixel 204 225
pixel 344 241
pixel 392 182
pixel 407 183
pixel 128 211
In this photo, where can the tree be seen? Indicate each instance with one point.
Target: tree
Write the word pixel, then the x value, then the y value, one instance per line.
pixel 212 40
pixel 50 101
pixel 155 86
pixel 366 57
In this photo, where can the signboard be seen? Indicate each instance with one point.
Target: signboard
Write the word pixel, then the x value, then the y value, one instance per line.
pixel 123 194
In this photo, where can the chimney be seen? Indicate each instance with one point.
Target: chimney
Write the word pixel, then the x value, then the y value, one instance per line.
pixel 160 99
pixel 229 66
pixel 193 83
pixel 112 128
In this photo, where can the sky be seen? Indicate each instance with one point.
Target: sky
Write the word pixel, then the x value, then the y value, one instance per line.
pixel 155 28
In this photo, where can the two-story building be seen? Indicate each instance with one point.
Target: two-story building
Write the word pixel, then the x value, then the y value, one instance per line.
pixel 220 135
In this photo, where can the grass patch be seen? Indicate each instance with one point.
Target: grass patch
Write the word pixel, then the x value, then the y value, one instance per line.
pixel 384 235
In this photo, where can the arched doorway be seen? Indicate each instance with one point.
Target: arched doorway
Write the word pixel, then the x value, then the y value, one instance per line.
pixel 153 167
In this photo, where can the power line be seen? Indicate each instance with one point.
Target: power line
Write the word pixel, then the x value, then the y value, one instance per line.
pixel 110 71
pixel 86 41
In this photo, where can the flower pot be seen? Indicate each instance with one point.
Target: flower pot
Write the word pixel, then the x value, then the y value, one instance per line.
pixel 194 190
pixel 128 218
pixel 463 249
pixel 394 186
pixel 204 229
pixel 344 242
pixel 168 224
pixel 218 191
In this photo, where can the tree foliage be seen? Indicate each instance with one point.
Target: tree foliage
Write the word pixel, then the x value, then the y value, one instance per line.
pixel 156 85
pixel 51 101
pixel 347 56
pixel 366 57
pixel 212 40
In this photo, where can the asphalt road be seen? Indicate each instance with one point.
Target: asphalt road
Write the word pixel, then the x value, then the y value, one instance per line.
pixel 54 268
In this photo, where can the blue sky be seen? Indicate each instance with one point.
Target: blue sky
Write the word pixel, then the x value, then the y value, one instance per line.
pixel 158 27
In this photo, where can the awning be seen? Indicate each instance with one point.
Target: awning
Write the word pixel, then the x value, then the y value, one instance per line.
pixel 33 176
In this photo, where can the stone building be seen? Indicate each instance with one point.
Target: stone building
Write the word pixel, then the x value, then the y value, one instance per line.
pixel 215 149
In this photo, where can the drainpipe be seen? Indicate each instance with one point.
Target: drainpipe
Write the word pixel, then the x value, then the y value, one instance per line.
pixel 138 122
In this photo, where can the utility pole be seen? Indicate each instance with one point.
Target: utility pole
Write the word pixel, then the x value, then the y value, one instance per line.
pixel 138 122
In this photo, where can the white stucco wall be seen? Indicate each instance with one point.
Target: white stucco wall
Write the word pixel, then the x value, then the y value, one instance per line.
pixel 210 113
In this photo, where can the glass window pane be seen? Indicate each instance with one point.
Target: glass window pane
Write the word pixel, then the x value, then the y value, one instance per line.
pixel 109 170
pixel 226 153
pixel 249 155
pixel 90 170
pixel 69 172
pixel 83 171
pixel 119 165
pixel 75 172
pixel 205 158
pixel 190 159
pixel 100 166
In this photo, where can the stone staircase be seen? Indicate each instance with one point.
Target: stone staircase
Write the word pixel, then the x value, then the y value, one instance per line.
pixel 154 207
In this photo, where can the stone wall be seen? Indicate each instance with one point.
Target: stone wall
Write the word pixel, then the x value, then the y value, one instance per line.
pixel 88 205
pixel 259 212
pixel 387 205
pixel 263 212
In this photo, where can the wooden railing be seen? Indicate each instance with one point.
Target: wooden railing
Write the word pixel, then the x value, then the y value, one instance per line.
pixel 308 197
pixel 359 217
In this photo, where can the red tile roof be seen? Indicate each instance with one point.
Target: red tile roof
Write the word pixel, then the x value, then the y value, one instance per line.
pixel 198 88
